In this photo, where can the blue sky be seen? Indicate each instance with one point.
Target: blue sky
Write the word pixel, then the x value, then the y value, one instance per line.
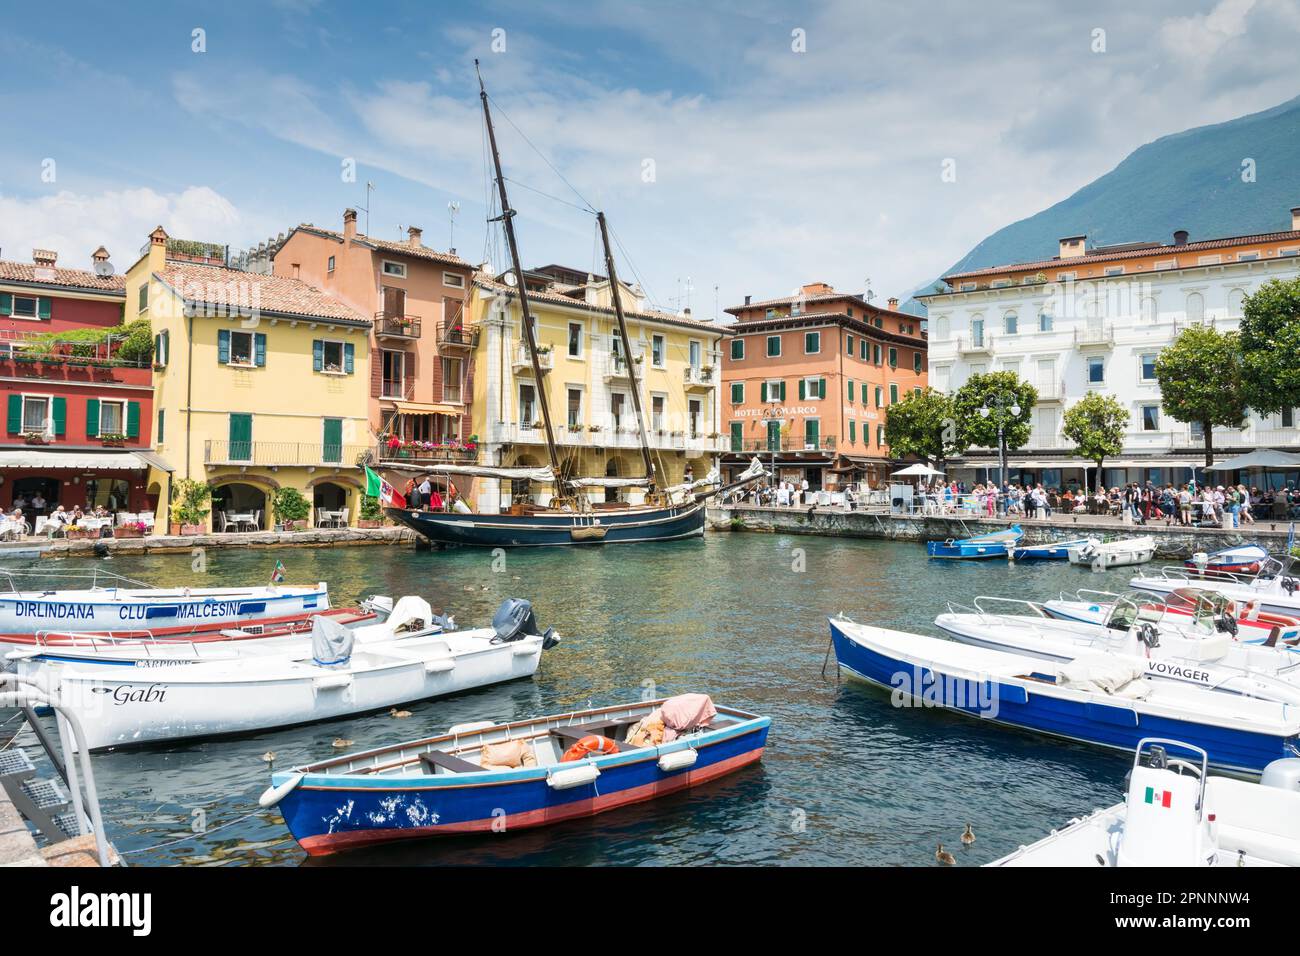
pixel 772 165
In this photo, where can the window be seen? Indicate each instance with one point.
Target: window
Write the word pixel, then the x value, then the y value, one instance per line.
pixel 695 352
pixel 737 436
pixel 880 435
pixel 244 349
pixel 1148 360
pixel 812 428
pixel 1195 307
pixel 162 348
pixel 1208 260
pixel 1010 323
pixel 528 404
pixel 848 344
pixel 575 340
pixel 852 392
pixel 393 372
pixel 453 375
pixel 161 431
pixel 737 349
pixel 240 437
pixel 876 353
pixel 977 332
pixel 36 414
pixel 575 409
pixel 1288 418
pixel 737 393
pixel 862 349
pixel 812 343
pixel 453 280
pixel 396 269
pixel 617 402
pixel 772 390
pixel 24 307
pixel 142 298
pixel 1160 265
pixel 1150 313
pixel 1096 370
pixel 880 397
pixel 773 346
pixel 1066 276
pixel 112 418
pixel 967 287
pixel 1151 418
pixel 657 351
pixel 1113 271
pixel 657 403
pixel 893 358
pixel 812 388
pixel 1045 321
pixel 916 362
pixel 693 410
pixel 893 394
pixel 853 432
pixel 329 264
pixel 333 358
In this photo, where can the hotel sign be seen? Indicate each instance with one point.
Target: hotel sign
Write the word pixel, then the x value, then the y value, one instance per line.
pixel 779 411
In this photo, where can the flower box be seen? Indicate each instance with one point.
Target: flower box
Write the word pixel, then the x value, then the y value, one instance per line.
pixel 370 522
pixel 128 531
pixel 32 438
pixel 79 534
pixel 191 529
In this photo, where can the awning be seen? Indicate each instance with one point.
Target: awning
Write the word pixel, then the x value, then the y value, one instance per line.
pixel 158 461
pixel 82 460
pixel 428 408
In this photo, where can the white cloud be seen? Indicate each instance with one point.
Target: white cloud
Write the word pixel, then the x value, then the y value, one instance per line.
pixel 1204 34
pixel 74 225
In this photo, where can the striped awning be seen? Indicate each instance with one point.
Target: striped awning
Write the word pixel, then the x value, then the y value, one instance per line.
pixel 85 460
pixel 428 408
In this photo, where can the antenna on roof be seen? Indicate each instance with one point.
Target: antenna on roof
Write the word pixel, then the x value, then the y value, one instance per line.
pixel 453 207
pixel 103 268
pixel 369 189
pixel 868 295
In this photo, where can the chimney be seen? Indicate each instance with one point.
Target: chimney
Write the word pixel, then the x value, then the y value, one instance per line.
pixel 893 304
pixel 816 288
pixel 158 237
pixel 99 255
pixel 1072 246
pixel 413 234
pixel 45 258
pixel 1180 237
pixel 747 298
pixel 1295 218
pixel 349 223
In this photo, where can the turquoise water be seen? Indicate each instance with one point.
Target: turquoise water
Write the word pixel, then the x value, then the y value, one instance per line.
pixel 846 778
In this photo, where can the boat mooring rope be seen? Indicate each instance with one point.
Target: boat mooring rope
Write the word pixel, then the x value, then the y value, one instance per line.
pixel 193 836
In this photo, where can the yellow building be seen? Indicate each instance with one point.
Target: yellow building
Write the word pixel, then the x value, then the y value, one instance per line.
pixel 261 382
pixel 587 385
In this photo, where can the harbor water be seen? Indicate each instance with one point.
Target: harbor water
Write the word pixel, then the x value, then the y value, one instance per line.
pixel 847 779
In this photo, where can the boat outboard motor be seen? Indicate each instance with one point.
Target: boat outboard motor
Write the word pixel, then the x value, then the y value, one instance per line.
pixel 514 620
pixel 331 642
pixel 1148 635
pixel 1283 773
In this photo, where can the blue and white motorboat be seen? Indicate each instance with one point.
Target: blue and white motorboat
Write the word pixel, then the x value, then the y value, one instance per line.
pixel 1094 699
pixel 484 778
pixel 1242 559
pixel 1273 588
pixel 1176 814
pixel 1049 551
pixel 995 544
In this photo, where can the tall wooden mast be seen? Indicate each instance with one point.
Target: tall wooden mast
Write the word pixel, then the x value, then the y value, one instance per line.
pixel 614 290
pixel 507 217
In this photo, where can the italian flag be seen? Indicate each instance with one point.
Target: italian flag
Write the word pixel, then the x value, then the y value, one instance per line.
pixel 1162 798
pixel 376 487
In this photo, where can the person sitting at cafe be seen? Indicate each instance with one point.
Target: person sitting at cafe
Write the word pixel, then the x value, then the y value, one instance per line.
pixel 57 521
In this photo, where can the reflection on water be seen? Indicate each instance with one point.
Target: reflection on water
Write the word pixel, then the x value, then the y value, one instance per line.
pixel 846 778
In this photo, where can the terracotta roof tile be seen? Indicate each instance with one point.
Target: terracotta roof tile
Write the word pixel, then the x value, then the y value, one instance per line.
pixel 29 272
pixel 220 286
pixel 394 246
pixel 491 285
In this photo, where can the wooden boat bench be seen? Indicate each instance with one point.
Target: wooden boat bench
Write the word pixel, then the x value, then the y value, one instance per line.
pixel 433 759
pixel 602 728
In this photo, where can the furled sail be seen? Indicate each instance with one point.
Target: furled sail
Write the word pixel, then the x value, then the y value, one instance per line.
pixel 610 482
pixel 486 471
pixel 712 478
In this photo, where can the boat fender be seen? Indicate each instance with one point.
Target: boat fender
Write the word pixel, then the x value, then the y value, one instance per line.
pixel 457 729
pixel 273 795
pixel 678 760
pixel 573 777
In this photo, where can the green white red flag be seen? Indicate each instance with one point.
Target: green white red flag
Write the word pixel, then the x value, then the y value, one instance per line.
pixel 376 487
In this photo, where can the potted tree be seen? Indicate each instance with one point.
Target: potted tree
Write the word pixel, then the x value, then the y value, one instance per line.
pixel 372 515
pixel 291 509
pixel 191 504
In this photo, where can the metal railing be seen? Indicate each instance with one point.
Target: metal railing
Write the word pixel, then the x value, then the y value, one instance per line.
pixel 705 376
pixel 1097 336
pixel 424 452
pixel 521 361
pixel 456 334
pixel 784 443
pixel 280 453
pixel 393 325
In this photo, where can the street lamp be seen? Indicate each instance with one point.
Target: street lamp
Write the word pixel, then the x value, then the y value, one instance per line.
pixel 770 417
pixel 1001 404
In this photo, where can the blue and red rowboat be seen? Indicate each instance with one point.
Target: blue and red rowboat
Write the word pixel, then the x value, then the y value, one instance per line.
pixel 1243 559
pixel 436 786
pixel 996 544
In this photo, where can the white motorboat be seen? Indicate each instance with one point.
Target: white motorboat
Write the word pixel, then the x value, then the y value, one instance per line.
pixel 1273 587
pixel 1175 814
pixel 103 602
pixel 1188 650
pixel 342 672
pixel 1253 625
pixel 1114 554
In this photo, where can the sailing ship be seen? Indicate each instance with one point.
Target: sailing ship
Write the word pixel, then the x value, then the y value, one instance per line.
pixel 668 514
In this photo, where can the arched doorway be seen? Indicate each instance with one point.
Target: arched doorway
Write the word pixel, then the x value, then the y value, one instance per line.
pixel 329 500
pixel 240 501
pixel 521 489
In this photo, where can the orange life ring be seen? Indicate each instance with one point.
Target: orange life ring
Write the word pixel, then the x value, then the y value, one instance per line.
pixel 591 744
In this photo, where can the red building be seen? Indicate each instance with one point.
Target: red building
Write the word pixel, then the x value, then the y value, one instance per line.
pixel 78 392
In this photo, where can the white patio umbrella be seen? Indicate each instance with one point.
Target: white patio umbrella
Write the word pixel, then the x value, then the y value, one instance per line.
pixel 1262 458
pixel 919 470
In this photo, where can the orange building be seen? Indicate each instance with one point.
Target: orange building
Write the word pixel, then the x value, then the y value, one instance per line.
pixel 808 378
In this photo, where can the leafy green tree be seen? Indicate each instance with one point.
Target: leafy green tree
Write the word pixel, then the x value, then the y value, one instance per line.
pixel 1000 389
pixel 1270 346
pixel 1096 423
pixel 923 424
pixel 1200 379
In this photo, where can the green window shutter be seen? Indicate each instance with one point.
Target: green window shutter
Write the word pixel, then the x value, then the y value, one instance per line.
pixel 132 419
pixel 15 414
pixel 259 349
pixel 92 418
pixel 850 391
pixel 783 390
pixel 43 306
pixel 161 432
pixel 811 432
pixel 763 392
pixel 333 440
pixel 241 437
pixel 737 393
pixel 821 388
pixel 349 357
pixel 737 436
pixel 60 415
pixel 317 355
pixel 223 346
pixel 853 431
pixel 802 390
pixel 6 303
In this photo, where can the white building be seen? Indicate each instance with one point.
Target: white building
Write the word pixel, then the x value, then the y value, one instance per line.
pixel 1094 319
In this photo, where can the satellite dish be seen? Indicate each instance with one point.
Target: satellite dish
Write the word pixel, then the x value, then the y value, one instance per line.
pixel 509 279
pixel 104 268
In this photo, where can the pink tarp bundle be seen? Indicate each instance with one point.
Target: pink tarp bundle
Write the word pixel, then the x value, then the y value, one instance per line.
pixel 685 712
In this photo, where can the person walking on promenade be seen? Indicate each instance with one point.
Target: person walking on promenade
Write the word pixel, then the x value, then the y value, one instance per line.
pixel 1246 516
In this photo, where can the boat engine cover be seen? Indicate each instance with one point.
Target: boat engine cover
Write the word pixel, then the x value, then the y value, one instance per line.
pixel 1283 774
pixel 514 620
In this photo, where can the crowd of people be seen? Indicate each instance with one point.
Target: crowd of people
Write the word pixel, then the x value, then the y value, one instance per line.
pixel 1187 504
pixel 423 495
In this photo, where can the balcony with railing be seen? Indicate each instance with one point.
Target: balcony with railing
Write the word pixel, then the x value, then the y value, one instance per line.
pixel 416 452
pixel 24 354
pixel 455 335
pixel 700 379
pixel 617 367
pixel 281 454
pixel 1050 392
pixel 623 437
pixel 1100 336
pixel 784 443
pixel 393 325
pixel 976 343
pixel 521 362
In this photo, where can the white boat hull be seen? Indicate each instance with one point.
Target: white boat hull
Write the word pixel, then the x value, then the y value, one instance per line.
pixel 1115 554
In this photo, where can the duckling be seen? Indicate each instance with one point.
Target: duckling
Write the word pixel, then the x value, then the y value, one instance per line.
pixel 400 714
pixel 340 743
pixel 944 857
pixel 469 587
pixel 968 837
pixel 269 756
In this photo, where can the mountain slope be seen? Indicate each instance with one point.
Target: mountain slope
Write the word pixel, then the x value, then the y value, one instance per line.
pixel 1190 180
